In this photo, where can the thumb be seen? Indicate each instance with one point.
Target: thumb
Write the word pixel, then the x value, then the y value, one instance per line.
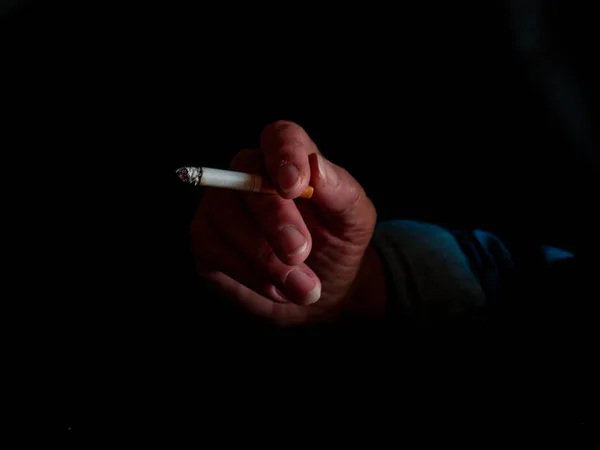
pixel 339 195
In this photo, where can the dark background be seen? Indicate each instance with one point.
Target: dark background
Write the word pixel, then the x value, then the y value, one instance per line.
pixel 478 114
pixel 482 115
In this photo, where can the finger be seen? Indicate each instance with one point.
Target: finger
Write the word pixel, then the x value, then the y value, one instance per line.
pixel 299 284
pixel 339 195
pixel 277 218
pixel 249 160
pixel 277 313
pixel 286 147
pixel 213 253
pixel 240 294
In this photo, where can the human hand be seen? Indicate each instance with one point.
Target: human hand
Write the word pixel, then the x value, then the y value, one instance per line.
pixel 289 261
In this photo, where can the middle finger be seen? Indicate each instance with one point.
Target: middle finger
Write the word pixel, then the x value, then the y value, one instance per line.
pixel 278 218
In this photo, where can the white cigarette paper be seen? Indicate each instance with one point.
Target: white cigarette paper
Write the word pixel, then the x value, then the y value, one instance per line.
pixel 206 176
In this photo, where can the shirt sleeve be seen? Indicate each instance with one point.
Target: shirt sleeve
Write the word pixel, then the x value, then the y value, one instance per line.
pixel 434 274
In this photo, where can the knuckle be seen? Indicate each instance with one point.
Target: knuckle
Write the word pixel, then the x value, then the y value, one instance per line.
pixel 267 257
pixel 276 271
pixel 247 159
pixel 372 213
pixel 276 203
pixel 281 132
pixel 356 196
pixel 355 192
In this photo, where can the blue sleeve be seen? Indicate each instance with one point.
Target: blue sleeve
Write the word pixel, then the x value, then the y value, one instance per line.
pixel 434 274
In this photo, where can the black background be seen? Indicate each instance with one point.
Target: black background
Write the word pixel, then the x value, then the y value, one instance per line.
pixel 467 115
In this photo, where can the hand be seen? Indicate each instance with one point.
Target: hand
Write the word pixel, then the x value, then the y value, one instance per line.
pixel 289 261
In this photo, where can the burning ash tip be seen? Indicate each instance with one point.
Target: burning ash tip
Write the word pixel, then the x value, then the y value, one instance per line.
pixel 183 174
pixel 191 175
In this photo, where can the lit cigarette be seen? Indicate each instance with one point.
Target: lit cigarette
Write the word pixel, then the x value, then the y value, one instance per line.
pixel 227 179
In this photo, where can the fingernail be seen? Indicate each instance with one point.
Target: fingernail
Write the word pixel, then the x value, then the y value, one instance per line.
pixel 321 167
pixel 332 177
pixel 292 240
pixel 303 287
pixel 278 295
pixel 288 176
pixel 327 171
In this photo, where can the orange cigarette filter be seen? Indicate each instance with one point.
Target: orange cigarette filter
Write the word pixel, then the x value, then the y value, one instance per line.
pixel 266 188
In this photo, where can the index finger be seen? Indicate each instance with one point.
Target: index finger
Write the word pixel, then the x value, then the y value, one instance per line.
pixel 286 147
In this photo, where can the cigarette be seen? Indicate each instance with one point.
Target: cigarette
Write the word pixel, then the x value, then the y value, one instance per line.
pixel 227 179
